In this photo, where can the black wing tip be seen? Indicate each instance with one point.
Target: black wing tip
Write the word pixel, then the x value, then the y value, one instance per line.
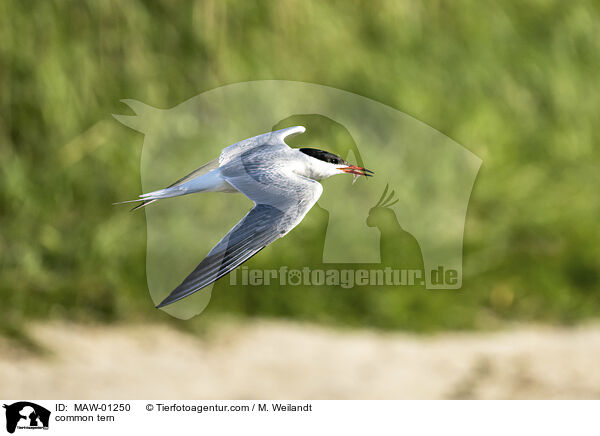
pixel 167 301
pixel 173 298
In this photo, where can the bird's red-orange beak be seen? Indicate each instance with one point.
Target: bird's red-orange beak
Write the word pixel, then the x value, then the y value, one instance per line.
pixel 359 171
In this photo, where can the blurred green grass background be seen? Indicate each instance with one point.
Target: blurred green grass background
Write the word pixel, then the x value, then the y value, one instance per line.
pixel 515 82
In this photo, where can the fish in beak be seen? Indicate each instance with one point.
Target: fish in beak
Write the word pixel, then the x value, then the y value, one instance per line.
pixel 357 171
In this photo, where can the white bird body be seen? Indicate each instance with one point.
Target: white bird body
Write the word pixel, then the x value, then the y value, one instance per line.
pixel 280 180
pixel 292 162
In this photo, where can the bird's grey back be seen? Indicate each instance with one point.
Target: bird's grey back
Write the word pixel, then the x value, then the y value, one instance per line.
pixel 271 138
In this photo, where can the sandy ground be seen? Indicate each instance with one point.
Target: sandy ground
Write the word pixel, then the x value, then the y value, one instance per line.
pixel 278 360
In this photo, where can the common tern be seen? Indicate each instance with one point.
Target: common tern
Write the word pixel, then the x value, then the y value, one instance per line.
pixel 281 181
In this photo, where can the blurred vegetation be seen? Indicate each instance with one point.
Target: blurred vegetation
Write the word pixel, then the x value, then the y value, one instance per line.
pixel 513 81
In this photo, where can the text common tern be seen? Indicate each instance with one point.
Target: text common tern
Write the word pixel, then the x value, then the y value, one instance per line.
pixel 281 181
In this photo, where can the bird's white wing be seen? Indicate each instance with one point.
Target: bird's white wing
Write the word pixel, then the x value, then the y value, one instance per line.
pixel 229 153
pixel 272 138
pixel 281 202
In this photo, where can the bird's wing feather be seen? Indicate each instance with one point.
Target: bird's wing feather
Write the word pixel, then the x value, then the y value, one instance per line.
pixel 254 232
pixel 209 166
pixel 272 138
pixel 282 201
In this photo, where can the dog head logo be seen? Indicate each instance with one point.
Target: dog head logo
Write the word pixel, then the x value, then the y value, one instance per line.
pixel 26 415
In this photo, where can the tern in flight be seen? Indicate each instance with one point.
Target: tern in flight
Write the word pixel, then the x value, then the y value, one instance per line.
pixel 282 183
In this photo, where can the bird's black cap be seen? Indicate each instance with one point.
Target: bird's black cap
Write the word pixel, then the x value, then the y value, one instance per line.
pixel 325 156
